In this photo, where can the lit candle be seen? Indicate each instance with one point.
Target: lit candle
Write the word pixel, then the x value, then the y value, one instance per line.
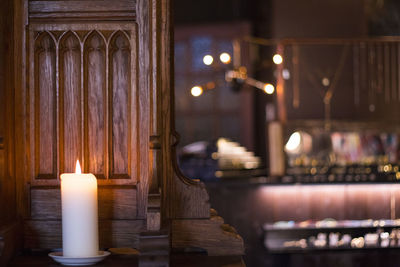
pixel 79 214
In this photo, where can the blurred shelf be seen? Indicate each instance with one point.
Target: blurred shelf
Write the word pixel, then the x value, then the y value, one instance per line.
pixel 290 237
pixel 333 225
pixel 333 249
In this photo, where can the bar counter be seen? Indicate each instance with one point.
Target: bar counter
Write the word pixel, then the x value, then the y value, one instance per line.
pixel 248 204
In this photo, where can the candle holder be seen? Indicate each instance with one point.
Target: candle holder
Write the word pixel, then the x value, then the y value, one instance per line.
pixel 78 261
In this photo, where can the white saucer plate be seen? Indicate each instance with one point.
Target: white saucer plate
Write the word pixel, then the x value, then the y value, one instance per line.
pixel 71 261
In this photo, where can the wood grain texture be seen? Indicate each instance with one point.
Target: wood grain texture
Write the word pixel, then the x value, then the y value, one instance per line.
pixel 114 203
pixel 112 233
pixel 156 130
pixel 93 114
pixel 70 103
pixel 89 9
pixel 20 143
pixel 209 234
pixel 145 48
pixel 95 105
pixel 113 91
pixel 79 6
pixel 45 100
pixel 120 71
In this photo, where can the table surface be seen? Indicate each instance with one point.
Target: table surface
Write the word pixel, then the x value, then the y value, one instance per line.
pixel 184 260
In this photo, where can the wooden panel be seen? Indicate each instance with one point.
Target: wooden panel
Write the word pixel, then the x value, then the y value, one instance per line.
pixel 95 105
pixel 70 102
pixel 79 6
pixel 114 203
pixel 120 72
pixel 84 82
pixel 45 103
pixel 112 233
pixel 89 9
pixel 144 89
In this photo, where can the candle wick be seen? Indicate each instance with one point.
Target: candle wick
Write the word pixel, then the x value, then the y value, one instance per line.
pixel 78 167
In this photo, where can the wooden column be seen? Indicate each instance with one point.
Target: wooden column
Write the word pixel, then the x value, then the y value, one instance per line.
pixel 10 228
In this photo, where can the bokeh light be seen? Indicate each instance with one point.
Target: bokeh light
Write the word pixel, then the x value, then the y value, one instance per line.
pixel 277 59
pixel 196 91
pixel 208 60
pixel 225 58
pixel 269 88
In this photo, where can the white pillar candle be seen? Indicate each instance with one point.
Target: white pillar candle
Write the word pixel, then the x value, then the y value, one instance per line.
pixel 79 214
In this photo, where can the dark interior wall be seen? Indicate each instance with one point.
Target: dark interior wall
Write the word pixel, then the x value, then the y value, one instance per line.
pixel 339 19
pixel 301 19
pixel 319 19
pixel 210 11
pixel 313 18
pixel 383 17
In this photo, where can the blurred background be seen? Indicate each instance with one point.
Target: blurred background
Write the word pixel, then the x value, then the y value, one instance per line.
pixel 289 112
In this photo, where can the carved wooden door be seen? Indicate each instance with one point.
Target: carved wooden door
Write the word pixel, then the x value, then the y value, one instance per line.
pixel 87 98
pixel 92 81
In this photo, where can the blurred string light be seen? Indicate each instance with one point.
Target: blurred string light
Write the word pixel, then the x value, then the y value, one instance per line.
pixel 240 76
pixel 224 57
pixel 208 60
pixel 277 59
pixel 325 82
pixel 237 77
pixel 199 89
pixel 196 91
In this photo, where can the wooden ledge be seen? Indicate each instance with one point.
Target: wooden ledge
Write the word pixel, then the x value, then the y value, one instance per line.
pixel 176 260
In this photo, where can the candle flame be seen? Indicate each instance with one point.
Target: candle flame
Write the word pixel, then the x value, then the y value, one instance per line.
pixel 78 167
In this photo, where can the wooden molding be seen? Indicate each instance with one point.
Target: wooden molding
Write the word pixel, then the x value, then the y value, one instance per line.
pixel 212 235
pixel 82 10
